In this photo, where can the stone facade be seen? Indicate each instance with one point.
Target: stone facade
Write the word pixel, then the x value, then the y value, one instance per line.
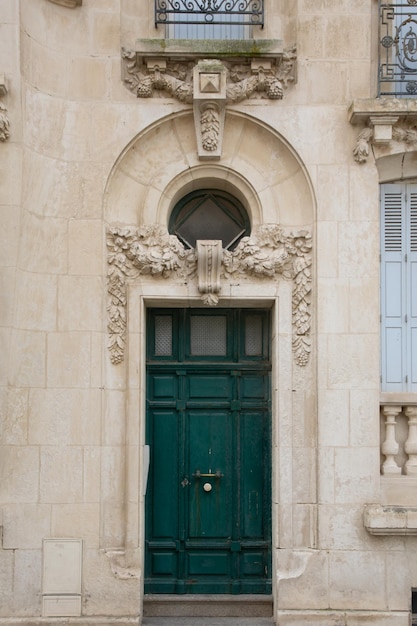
pixel 102 131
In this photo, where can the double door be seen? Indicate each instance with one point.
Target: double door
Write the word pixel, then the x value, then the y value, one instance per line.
pixel 208 427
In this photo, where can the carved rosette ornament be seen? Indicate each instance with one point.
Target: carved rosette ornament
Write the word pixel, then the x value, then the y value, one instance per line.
pixel 150 251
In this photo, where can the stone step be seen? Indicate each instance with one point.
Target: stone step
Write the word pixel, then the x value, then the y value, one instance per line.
pixel 201 605
pixel 207 621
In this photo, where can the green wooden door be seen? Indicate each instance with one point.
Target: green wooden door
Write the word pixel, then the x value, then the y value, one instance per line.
pixel 208 520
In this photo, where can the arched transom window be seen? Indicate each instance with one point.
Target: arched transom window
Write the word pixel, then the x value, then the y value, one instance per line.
pixel 209 214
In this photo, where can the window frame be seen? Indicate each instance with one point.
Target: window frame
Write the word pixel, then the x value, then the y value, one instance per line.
pixel 224 22
pixel 399 287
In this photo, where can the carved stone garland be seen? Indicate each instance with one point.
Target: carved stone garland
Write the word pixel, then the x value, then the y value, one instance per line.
pixel 176 78
pixel 150 251
pixel 401 133
pixel 209 85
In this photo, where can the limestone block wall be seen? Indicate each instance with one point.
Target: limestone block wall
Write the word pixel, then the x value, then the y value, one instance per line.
pixel 67 412
pixel 13 401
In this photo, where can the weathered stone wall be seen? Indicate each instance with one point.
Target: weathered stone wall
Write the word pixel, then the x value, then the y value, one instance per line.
pixel 84 153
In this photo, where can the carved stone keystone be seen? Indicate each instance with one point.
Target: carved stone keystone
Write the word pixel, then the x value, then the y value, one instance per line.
pixel 209 102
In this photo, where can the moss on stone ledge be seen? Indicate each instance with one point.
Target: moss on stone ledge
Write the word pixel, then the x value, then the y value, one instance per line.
pixel 210 47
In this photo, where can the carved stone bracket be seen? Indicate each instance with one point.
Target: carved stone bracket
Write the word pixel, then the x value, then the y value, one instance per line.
pixel 4 120
pixel 371 135
pixel 209 85
pixel 209 260
pixel 209 100
pixel 387 120
pixel 150 251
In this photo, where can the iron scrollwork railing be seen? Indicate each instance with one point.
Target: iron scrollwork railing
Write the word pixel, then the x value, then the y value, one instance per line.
pixel 239 12
pixel 398 48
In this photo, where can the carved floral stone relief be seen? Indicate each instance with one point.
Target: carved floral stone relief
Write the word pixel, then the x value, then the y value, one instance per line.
pixel 244 79
pixel 4 124
pixel 209 85
pixel 149 250
pixel 4 120
pixel 400 132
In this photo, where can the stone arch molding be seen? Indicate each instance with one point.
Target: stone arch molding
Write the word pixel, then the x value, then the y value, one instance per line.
pixel 159 167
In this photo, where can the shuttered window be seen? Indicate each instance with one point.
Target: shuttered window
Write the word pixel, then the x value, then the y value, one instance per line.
pixel 399 287
pixel 205 19
pixel 202 30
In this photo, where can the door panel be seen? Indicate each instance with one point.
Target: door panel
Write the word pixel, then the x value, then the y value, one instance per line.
pixel 208 427
pixel 210 443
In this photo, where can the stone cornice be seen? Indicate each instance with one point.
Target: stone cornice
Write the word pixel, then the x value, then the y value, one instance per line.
pixel 360 111
pixel 390 520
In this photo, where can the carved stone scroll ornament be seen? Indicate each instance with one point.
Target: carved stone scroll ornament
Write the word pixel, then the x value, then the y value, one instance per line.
pixel 150 250
pixel 209 260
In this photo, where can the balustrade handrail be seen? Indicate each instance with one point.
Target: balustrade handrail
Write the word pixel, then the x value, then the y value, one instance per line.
pixel 397 71
pixel 238 12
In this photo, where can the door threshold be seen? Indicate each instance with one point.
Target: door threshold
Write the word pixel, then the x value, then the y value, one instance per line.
pixel 207 605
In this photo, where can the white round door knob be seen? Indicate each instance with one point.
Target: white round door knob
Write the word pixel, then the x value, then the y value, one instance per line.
pixel 207 487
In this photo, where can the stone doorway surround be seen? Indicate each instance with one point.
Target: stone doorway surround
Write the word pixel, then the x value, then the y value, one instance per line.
pixel 156 169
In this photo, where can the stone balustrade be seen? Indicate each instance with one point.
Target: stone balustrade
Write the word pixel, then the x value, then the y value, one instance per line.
pixel 399 438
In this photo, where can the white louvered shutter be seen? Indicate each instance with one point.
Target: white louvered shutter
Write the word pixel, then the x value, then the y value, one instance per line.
pixel 399 287
pixel 412 267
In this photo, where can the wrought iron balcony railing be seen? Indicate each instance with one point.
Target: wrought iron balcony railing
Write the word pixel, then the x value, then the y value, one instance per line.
pixel 398 48
pixel 232 12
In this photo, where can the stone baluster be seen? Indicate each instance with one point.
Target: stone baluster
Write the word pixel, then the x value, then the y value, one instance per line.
pixel 411 443
pixel 390 446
